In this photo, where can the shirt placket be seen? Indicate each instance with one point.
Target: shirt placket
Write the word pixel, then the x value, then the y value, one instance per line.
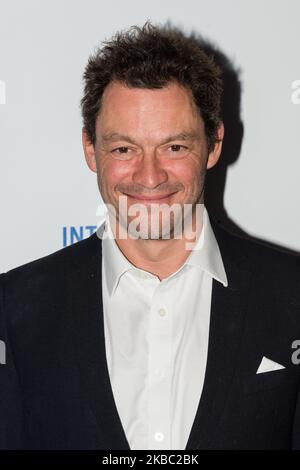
pixel 159 372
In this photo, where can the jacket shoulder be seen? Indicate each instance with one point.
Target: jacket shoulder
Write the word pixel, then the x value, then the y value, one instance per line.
pixel 50 278
pixel 54 263
pixel 262 252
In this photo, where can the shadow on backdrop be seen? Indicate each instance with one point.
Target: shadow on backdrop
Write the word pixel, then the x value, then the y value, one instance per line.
pixel 234 130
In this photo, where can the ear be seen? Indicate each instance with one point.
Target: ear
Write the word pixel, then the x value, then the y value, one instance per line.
pixel 89 151
pixel 214 155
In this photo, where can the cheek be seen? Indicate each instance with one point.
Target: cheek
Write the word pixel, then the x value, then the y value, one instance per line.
pixel 113 172
pixel 188 172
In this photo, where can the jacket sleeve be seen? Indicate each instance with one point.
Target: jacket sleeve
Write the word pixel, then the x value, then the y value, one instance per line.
pixel 11 413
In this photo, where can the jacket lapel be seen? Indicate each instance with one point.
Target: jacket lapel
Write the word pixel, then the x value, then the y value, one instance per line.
pixel 226 327
pixel 91 355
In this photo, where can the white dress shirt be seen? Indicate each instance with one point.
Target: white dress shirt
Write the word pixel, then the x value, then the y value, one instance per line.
pixel 156 340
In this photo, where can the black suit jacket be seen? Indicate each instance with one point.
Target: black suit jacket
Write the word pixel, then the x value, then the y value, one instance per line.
pixel 55 389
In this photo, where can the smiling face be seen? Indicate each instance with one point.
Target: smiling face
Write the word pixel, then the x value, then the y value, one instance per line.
pixel 150 147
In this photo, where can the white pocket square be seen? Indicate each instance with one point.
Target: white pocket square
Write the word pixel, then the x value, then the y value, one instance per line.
pixel 267 365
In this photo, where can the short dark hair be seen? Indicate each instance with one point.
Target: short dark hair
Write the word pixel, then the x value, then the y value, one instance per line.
pixel 151 57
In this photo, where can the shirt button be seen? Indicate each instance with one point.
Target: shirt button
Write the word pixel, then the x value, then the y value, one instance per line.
pixel 162 312
pixel 158 436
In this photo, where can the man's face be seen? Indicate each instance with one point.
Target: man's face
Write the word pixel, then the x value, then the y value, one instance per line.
pixel 150 147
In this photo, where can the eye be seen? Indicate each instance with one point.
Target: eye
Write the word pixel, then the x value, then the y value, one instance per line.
pixel 176 147
pixel 122 153
pixel 176 151
pixel 121 150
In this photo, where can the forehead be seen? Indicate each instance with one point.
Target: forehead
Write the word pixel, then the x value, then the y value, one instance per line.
pixel 143 110
pixel 120 90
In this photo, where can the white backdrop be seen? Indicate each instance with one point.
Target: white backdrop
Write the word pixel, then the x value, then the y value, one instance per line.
pixel 45 185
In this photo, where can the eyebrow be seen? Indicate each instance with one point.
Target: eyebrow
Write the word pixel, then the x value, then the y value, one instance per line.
pixel 115 136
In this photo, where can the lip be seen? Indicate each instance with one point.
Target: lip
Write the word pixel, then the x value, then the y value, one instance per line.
pixel 150 199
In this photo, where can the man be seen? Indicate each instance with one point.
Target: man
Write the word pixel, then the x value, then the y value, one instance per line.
pixel 152 340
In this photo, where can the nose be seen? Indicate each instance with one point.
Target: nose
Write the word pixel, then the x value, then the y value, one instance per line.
pixel 149 172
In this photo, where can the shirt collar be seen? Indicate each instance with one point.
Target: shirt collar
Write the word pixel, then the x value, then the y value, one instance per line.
pixel 116 264
pixel 205 255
